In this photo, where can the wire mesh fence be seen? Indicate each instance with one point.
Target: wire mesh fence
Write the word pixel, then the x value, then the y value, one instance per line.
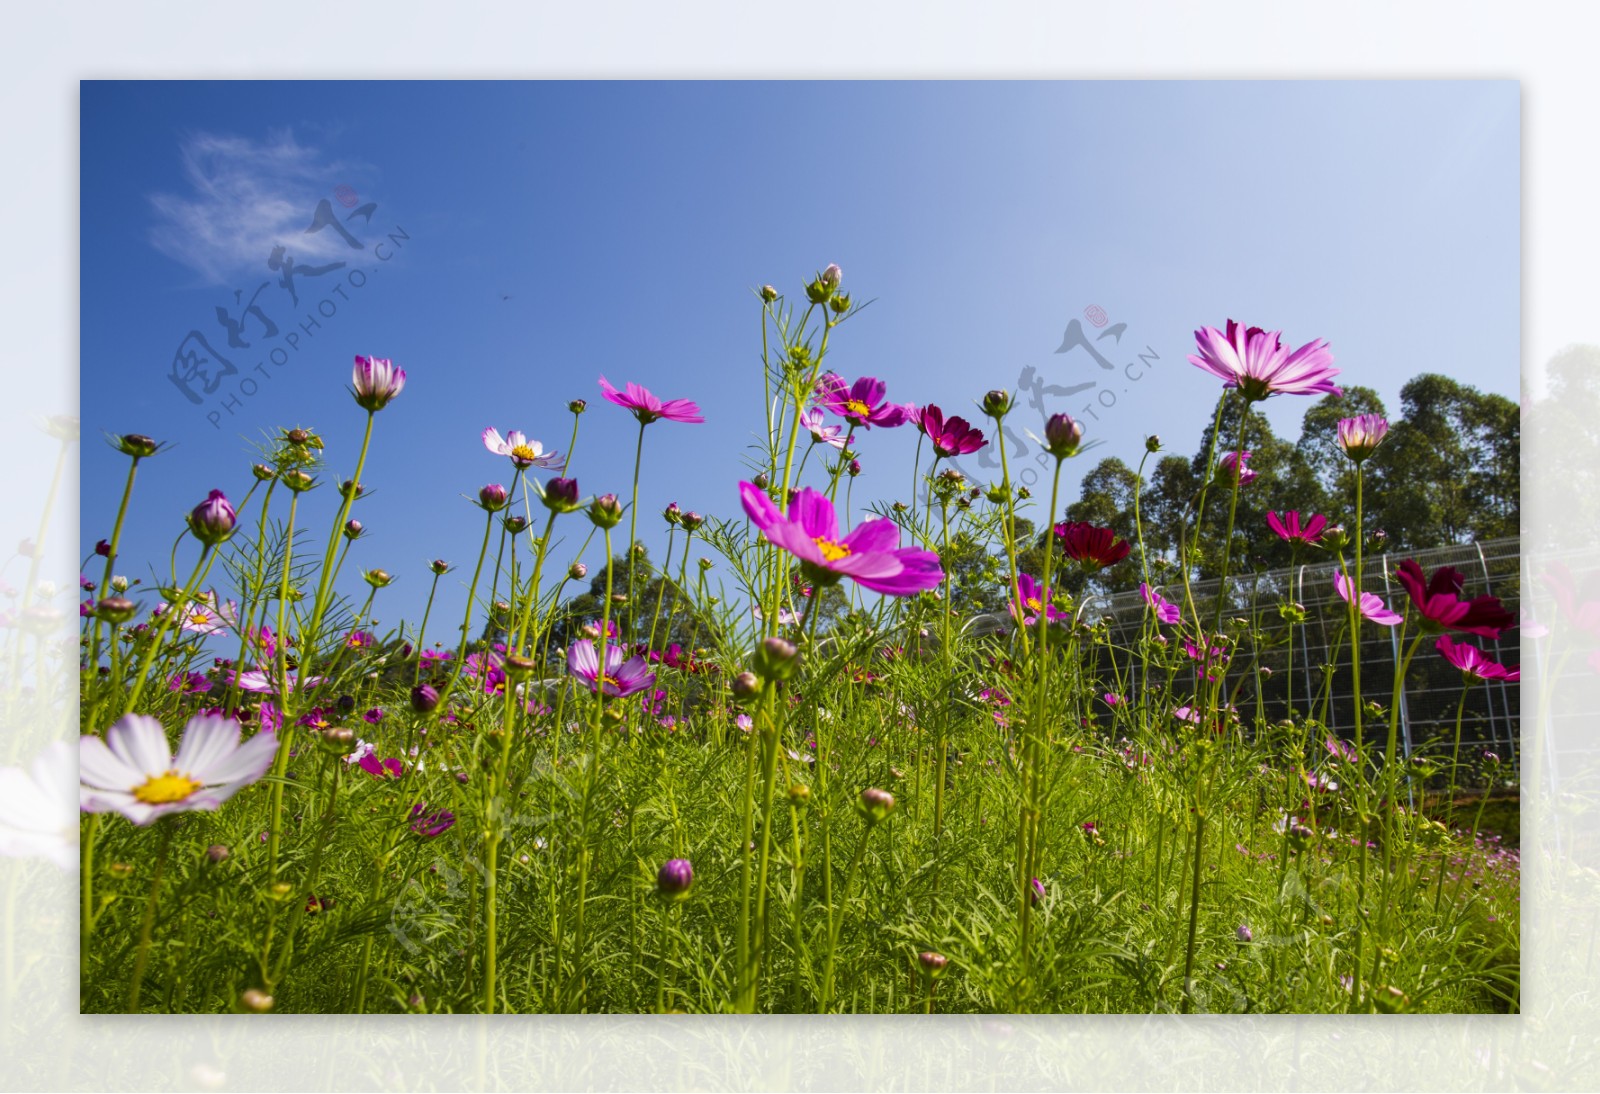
pixel 1432 694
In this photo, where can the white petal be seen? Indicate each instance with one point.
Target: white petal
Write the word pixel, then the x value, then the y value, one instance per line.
pixel 244 764
pixel 99 766
pixel 139 741
pixel 208 741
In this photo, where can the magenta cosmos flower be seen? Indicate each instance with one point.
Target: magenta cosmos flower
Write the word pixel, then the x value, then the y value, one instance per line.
pixel 1371 605
pixel 870 554
pixel 376 380
pixel 1092 547
pixel 1033 598
pixel 1289 528
pixel 621 678
pixel 1165 610
pixel 523 452
pixel 1258 363
pixel 1439 601
pixel 1472 662
pixel 213 520
pixel 647 408
pixel 860 403
pixel 952 436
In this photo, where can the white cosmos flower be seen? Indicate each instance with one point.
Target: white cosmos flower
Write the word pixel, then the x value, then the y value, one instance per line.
pixel 38 817
pixel 134 772
pixel 258 681
pixel 523 452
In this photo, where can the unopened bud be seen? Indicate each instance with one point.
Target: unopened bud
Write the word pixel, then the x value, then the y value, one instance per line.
pixel 424 698
pixel 353 529
pixel 255 1000
pixel 746 687
pixel 493 498
pixel 577 571
pixel 605 511
pixel 776 659
pixel 875 804
pixel 137 445
pixel 997 403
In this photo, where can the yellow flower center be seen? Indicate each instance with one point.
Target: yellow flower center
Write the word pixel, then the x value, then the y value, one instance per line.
pixel 1033 603
pixel 523 452
pixel 831 551
pixel 162 789
pixel 857 407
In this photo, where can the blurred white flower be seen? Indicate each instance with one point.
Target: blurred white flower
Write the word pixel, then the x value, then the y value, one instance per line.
pixel 39 808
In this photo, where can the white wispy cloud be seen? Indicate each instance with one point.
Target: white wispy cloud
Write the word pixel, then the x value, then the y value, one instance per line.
pixel 246 196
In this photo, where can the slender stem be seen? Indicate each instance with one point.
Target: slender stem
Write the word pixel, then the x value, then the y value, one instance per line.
pixel 147 923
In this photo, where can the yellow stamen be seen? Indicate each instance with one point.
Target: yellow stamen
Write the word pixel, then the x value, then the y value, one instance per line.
pixel 857 407
pixel 162 789
pixel 831 551
pixel 523 452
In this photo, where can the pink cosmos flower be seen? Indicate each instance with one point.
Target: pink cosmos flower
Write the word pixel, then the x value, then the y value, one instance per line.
pixel 1226 468
pixel 870 554
pixel 1439 601
pixel 1289 528
pixel 376 381
pixel 1166 611
pixel 523 452
pixel 204 616
pixel 860 403
pixel 1360 435
pixel 1034 598
pixel 621 678
pixel 258 681
pixel 953 436
pixel 430 824
pixel 1371 605
pixel 647 408
pixel 1472 662
pixel 1258 363
pixel 811 421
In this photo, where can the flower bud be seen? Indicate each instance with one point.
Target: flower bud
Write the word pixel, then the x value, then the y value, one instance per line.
pixel 217 852
pixel 1062 435
pixel 351 490
pixel 799 795
pixel 996 494
pixel 933 964
pixel 338 740
pixel 103 548
pixel 263 473
pixel 854 468
pixel 212 520
pixel 353 529
pixel 832 276
pixel 746 688
pixel 297 436
pixel 137 445
pixel 1152 443
pixel 439 566
pixel 1335 538
pixel 776 659
pixel 605 511
pixel 378 579
pixel 577 571
pixel 493 498
pixel 578 406
pixel 1243 933
pixel 345 704
pixel 997 404
pixel 672 513
pixel 115 609
pixel 518 667
pixel 424 698
pixel 119 583
pixel 255 1000
pixel 516 525
pixel 705 564
pixel 840 303
pixel 674 878
pixel 760 482
pixel 768 294
pixel 875 804
pixel 298 481
pixel 561 495
pixel 692 520
pixel 1036 891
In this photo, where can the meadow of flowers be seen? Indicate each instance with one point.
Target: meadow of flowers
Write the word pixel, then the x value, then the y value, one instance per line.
pixel 620 792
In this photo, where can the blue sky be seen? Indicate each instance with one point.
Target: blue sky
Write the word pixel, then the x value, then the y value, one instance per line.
pixel 629 222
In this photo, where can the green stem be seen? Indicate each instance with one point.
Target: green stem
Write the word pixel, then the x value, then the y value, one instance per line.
pixel 148 922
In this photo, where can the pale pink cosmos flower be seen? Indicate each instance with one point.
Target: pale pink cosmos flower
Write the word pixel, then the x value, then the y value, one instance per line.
pixel 376 381
pixel 1371 606
pixel 812 421
pixel 134 772
pixel 1361 435
pixel 524 453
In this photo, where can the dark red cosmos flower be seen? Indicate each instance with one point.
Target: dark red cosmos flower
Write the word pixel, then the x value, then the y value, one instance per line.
pixel 1438 600
pixel 1092 547
pixel 953 436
